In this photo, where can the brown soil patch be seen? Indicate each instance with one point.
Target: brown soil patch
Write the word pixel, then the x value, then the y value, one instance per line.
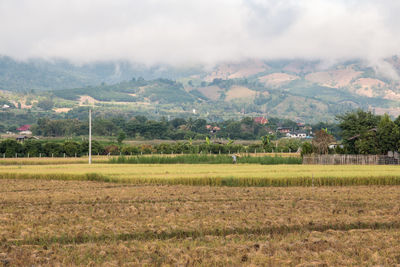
pixel 276 79
pixel 87 100
pixel 239 92
pixel 62 110
pixel 391 111
pixel 369 82
pixel 23 103
pixel 211 92
pixel 237 70
pixel 335 78
pixel 389 94
pixel 366 91
pixel 368 86
pixel 265 93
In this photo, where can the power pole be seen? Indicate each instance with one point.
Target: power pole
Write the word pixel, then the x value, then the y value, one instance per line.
pixel 90 136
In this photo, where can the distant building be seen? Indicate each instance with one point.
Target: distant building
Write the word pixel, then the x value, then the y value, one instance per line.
pixel 284 130
pixel 301 135
pixel 22 138
pixel 25 127
pixel 25 130
pixel 335 145
pixel 260 120
pixel 213 129
pixel 296 135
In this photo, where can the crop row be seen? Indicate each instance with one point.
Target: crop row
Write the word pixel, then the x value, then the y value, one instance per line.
pixel 215 181
pixel 209 159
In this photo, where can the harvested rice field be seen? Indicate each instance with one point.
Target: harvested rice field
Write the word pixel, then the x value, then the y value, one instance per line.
pixel 86 223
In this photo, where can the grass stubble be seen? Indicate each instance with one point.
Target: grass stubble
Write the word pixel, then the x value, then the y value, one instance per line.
pixel 52 222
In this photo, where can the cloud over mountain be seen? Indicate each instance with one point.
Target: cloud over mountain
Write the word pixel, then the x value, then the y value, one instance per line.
pixel 200 32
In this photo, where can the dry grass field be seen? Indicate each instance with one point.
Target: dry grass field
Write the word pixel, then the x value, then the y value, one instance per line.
pixel 158 214
pixel 65 223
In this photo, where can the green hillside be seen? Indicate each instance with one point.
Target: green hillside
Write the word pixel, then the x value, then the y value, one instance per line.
pixel 293 89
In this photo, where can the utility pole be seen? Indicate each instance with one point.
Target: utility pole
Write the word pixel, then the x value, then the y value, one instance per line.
pixel 90 136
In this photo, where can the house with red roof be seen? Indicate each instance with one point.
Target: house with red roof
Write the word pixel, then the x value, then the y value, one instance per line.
pixel 25 129
pixel 260 120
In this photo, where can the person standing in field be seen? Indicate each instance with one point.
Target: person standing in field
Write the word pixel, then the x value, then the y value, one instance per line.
pixel 234 159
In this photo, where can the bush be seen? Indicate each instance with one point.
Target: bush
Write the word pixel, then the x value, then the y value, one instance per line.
pixel 32 148
pixel 130 150
pixel 97 148
pixel 306 149
pixel 164 148
pixel 53 149
pixel 10 147
pixel 71 148
pixel 289 145
pixel 112 150
pixel 147 149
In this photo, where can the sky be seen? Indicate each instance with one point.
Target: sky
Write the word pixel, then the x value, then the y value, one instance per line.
pixel 180 32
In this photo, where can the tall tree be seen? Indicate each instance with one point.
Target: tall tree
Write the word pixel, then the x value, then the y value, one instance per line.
pixel 356 123
pixel 388 135
pixel 367 143
pixel 321 141
pixel 121 137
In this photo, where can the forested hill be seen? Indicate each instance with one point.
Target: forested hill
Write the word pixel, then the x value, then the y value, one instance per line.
pixel 37 74
pixel 303 101
pixel 294 89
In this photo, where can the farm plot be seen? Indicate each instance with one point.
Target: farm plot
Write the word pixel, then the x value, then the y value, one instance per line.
pixel 53 161
pixel 68 223
pixel 211 174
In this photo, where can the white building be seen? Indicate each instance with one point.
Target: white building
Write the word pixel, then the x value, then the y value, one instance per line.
pixel 296 135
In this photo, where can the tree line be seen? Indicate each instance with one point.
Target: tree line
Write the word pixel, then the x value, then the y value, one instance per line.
pixel 69 148
pixel 357 132
pixel 366 133
pixel 140 127
pixel 361 132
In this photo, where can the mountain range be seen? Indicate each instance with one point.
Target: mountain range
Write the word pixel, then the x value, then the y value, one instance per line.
pixel 301 90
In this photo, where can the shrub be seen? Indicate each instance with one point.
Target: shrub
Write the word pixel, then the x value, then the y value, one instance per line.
pixel 33 148
pixel 52 149
pixel 130 150
pixel 10 147
pixel 97 148
pixel 306 149
pixel 71 148
pixel 112 149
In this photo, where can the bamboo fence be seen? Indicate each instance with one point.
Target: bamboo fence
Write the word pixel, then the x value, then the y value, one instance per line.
pixel 338 159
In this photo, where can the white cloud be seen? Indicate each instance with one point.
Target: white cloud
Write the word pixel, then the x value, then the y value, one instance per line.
pixel 206 31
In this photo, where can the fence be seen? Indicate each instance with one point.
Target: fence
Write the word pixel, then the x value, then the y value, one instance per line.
pixel 337 159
